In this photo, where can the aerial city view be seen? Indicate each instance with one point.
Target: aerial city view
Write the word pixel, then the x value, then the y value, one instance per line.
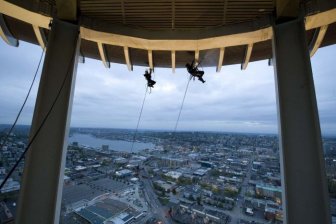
pixel 182 177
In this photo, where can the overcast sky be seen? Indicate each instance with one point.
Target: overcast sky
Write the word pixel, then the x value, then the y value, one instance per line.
pixel 232 100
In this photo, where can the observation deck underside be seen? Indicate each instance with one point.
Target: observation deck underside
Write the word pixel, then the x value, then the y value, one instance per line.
pixel 167 33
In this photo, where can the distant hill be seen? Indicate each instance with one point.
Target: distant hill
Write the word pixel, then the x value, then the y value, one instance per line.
pixel 24 129
pixel 18 130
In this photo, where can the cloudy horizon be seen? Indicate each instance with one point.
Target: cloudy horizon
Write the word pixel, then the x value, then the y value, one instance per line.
pixel 229 101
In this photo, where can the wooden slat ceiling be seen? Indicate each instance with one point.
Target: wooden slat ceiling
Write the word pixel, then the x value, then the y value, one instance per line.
pixel 175 14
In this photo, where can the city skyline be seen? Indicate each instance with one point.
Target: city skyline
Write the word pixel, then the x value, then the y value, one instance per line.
pixel 229 101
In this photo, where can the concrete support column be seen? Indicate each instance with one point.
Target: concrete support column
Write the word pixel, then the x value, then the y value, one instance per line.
pixel 304 190
pixel 42 182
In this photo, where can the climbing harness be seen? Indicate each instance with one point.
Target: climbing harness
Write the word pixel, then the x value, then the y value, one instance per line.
pixel 194 70
pixel 150 81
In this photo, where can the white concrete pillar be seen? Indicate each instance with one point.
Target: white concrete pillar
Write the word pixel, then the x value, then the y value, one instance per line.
pixel 42 182
pixel 305 196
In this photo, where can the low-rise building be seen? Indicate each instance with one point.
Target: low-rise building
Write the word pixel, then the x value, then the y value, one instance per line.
pixel 273 212
pixel 173 174
pixel 200 172
pixel 172 162
pixel 120 160
pixel 164 185
pixel 269 191
pixel 123 173
pixel 10 186
pixel 2 170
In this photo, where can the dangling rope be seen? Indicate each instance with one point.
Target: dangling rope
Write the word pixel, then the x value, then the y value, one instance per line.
pixel 136 130
pixel 5 139
pixel 185 93
pixel 31 141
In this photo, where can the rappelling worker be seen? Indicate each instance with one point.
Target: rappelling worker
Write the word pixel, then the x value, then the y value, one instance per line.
pixel 148 76
pixel 194 71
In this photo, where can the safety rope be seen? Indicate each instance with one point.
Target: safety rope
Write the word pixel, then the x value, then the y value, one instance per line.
pixel 5 139
pixel 42 123
pixel 136 130
pixel 185 93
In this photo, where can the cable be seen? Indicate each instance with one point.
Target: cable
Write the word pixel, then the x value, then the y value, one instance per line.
pixel 136 130
pixel 42 123
pixel 4 141
pixel 185 93
pixel 178 118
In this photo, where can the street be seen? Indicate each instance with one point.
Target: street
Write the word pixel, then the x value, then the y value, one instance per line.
pixel 156 208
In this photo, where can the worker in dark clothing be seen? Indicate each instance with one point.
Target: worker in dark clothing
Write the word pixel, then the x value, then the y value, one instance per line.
pixel 193 70
pixel 148 76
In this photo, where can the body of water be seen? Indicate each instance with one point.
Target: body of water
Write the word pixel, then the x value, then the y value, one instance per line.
pixel 117 145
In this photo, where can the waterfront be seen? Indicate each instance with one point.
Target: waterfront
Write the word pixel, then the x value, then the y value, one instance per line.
pixel 234 178
pixel 118 145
